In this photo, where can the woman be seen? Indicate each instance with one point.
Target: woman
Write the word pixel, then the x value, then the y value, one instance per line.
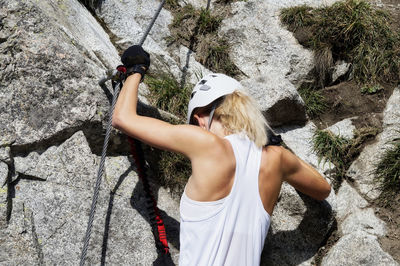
pixel 236 178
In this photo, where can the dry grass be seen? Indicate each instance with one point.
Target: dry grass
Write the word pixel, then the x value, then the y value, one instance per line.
pixel 173 170
pixel 353 31
pixel 198 30
pixel 167 94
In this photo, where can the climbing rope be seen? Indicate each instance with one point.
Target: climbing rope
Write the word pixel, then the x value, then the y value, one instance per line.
pixel 117 85
pixel 99 175
pixel 156 221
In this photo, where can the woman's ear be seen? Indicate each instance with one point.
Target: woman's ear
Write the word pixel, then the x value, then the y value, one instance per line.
pixel 200 121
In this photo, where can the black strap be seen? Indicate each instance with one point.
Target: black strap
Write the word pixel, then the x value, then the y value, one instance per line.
pixel 274 140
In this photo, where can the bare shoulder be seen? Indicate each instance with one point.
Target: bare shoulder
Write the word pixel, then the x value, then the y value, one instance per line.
pixel 273 150
pixel 270 176
pixel 272 154
pixel 271 162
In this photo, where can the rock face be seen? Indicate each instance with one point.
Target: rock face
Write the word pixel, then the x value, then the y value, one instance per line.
pixel 362 169
pixel 344 128
pixel 56 188
pixel 358 249
pixel 52 54
pixel 58 90
pixel 128 21
pixel 360 228
pixel 273 69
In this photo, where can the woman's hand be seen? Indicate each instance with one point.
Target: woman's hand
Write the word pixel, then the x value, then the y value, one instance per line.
pixel 136 60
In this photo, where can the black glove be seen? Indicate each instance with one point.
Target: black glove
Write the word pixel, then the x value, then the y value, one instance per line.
pixel 136 60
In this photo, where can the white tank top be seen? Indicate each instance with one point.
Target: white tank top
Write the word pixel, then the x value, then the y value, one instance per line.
pixel 232 230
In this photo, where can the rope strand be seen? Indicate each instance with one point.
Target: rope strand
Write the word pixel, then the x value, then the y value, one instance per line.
pixel 99 176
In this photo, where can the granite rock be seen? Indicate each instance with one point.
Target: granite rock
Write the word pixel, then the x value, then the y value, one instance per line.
pixel 362 169
pixel 357 248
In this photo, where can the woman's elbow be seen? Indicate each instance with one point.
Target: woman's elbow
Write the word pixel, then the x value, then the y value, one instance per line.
pixel 324 192
pixel 117 121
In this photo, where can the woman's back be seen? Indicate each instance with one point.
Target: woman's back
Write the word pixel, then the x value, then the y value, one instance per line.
pixel 231 230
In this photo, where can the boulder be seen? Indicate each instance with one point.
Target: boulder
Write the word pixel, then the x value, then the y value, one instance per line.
pixel 3 174
pixel 274 63
pixel 57 187
pixel 362 169
pixel 348 201
pixel 300 141
pixel 279 101
pixel 55 164
pixel 344 128
pixel 358 248
pixel 265 48
pixel 299 226
pixel 363 220
pixel 270 57
pixel 128 21
pixel 58 92
pixel 3 194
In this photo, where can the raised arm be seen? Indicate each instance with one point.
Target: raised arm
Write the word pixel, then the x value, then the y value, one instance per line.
pixel 178 138
pixel 303 177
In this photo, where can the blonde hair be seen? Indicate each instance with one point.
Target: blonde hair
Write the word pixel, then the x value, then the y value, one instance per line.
pixel 238 113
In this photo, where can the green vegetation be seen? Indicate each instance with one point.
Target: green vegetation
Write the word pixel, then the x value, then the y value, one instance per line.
pixel 174 170
pixel 167 94
pixel 352 31
pixel 314 101
pixel 388 170
pixel 333 149
pixel 171 4
pixel 341 151
pixel 198 30
pixel 207 22
pixel 371 89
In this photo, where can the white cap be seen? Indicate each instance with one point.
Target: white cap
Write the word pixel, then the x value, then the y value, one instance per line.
pixel 210 88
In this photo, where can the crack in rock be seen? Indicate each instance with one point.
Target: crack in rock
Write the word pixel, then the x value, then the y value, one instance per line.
pixel 36 240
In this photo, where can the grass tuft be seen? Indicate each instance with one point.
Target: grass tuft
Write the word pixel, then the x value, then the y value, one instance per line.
pixel 297 17
pixel 388 170
pixel 167 94
pixel 315 103
pixel 208 23
pixel 198 30
pixel 353 31
pixel 174 170
pixel 341 151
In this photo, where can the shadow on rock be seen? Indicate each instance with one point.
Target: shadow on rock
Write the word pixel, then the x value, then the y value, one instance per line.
pixel 144 206
pixel 108 216
pixel 140 202
pixel 299 245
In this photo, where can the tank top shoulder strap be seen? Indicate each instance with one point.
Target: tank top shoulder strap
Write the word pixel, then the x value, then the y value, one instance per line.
pixel 248 159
